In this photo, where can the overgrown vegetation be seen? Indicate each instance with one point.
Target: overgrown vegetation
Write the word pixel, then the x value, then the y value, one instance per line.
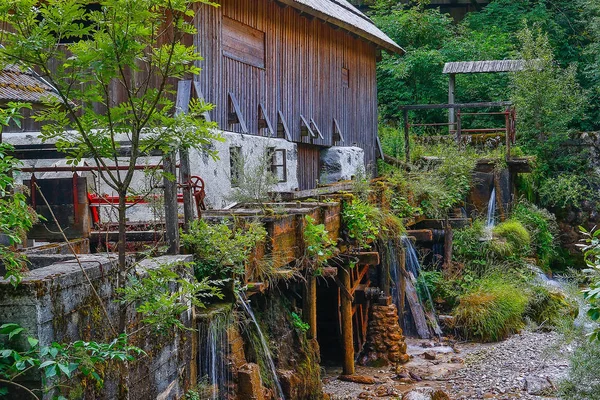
pixel 491 311
pixel 222 249
pixel 319 246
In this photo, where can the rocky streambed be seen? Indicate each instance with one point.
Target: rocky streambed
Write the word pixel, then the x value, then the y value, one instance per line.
pixel 528 366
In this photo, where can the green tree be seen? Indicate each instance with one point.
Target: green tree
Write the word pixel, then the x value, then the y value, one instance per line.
pixel 112 63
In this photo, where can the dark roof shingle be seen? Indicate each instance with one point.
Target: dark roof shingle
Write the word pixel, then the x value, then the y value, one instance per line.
pixel 24 86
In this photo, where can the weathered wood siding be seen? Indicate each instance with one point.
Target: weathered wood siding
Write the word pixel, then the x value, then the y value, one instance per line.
pixel 310 69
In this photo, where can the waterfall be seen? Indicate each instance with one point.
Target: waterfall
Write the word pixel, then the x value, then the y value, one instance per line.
pixel 413 268
pixel 264 344
pixel 491 211
pixel 213 350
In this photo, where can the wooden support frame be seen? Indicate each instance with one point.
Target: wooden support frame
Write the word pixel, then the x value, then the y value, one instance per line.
pixel 234 114
pixel 347 330
pixel 315 128
pixel 305 129
pixel 283 131
pixel 264 122
pixel 338 137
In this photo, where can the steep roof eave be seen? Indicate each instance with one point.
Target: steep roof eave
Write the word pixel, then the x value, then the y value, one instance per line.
pixel 381 39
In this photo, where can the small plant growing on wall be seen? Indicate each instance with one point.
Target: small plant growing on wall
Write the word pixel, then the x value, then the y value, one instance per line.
pixel 222 249
pixel 319 246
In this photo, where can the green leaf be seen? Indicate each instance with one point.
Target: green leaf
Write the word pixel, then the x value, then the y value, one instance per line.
pixel 33 342
pixel 65 369
pixel 15 332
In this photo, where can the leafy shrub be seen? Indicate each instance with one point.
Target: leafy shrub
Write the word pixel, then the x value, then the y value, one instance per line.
pixel 365 222
pixel 466 242
pixel 564 190
pixel 222 249
pixel 549 308
pixel 319 246
pixel 511 239
pixel 542 226
pixel 491 311
pixel 444 291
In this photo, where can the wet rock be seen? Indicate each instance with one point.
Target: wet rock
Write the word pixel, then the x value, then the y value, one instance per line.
pixel 365 380
pixel 289 383
pixel 249 386
pixel 429 355
pixel 537 385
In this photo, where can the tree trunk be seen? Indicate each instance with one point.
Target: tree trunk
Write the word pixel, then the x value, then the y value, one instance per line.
pixel 121 283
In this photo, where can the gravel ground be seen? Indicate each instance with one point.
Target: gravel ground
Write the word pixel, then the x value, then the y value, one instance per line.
pixel 525 366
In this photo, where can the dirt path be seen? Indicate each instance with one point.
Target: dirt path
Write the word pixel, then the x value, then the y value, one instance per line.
pixel 525 366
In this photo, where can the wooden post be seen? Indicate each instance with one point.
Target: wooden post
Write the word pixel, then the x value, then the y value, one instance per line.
pixel 171 218
pixel 451 86
pixel 458 127
pixel 448 236
pixel 384 282
pixel 309 308
pixel 508 132
pixel 402 279
pixel 185 174
pixel 406 137
pixel 347 334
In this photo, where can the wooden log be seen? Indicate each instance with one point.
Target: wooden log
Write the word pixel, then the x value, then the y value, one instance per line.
pixel 421 235
pixel 384 279
pixel 171 219
pixel 309 308
pixel 363 257
pixel 416 308
pixel 346 317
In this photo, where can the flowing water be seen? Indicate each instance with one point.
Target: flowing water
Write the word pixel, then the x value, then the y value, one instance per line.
pixel 413 267
pixel 491 217
pixel 264 344
pixel 213 355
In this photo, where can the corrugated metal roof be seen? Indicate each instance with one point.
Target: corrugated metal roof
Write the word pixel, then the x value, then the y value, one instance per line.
pixel 343 14
pixel 480 67
pixel 17 85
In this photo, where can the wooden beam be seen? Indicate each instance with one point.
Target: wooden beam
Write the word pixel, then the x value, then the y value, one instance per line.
pixel 235 114
pixel 315 128
pixel 264 122
pixel 421 235
pixel 309 309
pixel 347 334
pixel 200 96
pixel 283 131
pixel 463 105
pixel 305 129
pixel 344 289
pixel 338 137
pixel 363 257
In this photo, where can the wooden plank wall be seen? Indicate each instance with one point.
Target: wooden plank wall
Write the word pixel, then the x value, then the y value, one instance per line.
pixel 303 74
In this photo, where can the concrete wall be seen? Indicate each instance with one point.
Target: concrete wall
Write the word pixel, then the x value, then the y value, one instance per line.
pixel 55 304
pixel 339 163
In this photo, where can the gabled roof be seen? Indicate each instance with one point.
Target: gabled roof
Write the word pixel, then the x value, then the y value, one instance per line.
pixel 343 14
pixel 24 86
pixel 480 67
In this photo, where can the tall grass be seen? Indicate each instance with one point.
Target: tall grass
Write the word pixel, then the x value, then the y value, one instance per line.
pixel 491 311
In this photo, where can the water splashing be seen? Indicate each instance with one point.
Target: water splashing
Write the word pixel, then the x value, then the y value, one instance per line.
pixel 264 344
pixel 213 354
pixel 413 268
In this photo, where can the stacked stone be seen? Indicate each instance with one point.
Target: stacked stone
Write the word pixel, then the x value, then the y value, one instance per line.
pixel 385 343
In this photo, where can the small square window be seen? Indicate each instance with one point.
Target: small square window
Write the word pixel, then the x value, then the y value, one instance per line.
pixel 236 165
pixel 278 163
